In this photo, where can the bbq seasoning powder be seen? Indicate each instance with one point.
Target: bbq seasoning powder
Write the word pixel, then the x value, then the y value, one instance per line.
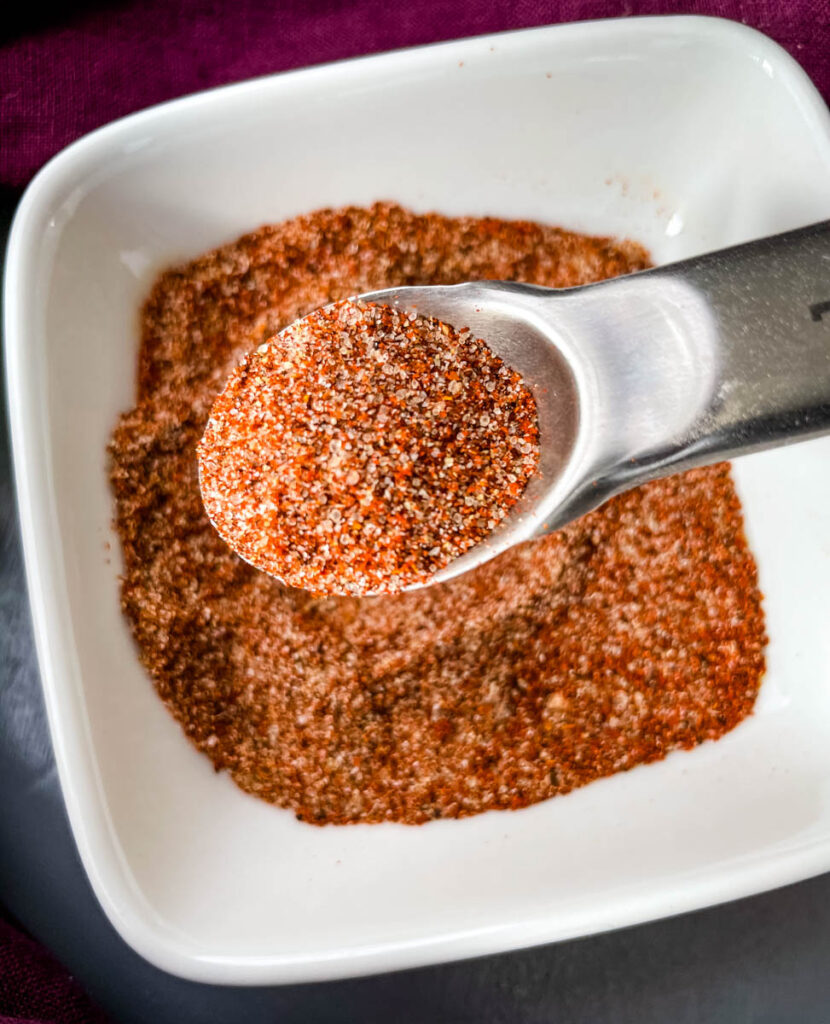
pixel 364 448
pixel 633 632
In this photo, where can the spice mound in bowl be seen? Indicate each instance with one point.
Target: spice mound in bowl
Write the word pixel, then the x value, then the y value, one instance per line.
pixel 635 631
pixel 363 448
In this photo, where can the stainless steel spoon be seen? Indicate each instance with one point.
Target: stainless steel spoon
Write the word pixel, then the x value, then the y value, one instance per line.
pixel 650 374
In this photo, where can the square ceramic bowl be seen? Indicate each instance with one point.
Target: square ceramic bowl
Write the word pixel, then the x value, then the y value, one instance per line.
pixel 685 133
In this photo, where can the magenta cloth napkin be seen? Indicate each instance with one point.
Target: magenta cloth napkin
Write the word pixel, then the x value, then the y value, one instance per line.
pixel 35 989
pixel 87 69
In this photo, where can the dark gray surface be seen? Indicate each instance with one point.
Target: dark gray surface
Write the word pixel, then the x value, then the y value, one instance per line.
pixel 764 960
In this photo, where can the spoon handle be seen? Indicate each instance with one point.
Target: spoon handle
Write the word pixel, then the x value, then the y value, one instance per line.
pixel 770 300
pixel 709 358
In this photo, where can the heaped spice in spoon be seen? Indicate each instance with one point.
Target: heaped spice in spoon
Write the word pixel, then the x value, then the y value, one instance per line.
pixel 364 448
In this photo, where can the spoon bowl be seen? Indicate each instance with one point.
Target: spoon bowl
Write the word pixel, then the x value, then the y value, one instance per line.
pixel 506 316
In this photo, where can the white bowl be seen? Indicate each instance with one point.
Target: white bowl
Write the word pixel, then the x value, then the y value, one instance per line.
pixel 685 133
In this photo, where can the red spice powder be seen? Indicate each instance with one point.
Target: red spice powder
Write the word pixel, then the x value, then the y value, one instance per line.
pixel 363 448
pixel 633 632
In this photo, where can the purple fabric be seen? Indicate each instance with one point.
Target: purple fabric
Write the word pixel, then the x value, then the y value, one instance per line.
pixel 65 80
pixel 35 989
pixel 75 76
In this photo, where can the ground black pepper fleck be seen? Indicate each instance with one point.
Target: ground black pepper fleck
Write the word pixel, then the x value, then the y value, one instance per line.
pixel 633 632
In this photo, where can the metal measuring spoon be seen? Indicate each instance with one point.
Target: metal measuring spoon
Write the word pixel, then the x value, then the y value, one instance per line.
pixel 653 373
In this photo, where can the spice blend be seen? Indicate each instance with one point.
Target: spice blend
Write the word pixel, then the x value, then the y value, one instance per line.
pixel 634 631
pixel 364 448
